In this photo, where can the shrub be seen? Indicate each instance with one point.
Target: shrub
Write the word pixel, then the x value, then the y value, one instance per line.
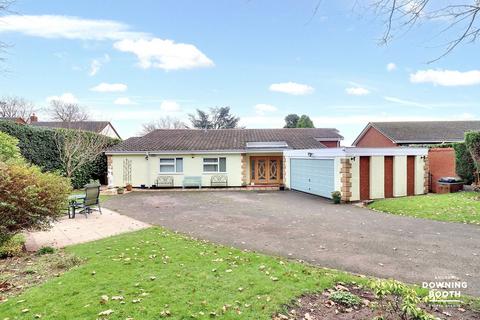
pixel 9 148
pixel 45 250
pixel 38 146
pixel 404 299
pixel 29 199
pixel 12 247
pixel 472 142
pixel 345 298
pixel 465 166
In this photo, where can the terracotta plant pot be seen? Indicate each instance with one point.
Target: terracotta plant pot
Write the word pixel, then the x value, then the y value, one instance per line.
pixel 129 187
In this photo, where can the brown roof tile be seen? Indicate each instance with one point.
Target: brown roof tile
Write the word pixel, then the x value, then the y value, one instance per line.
pixel 225 139
pixel 426 131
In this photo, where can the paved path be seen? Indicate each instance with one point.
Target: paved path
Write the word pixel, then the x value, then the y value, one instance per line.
pixel 306 227
pixel 72 231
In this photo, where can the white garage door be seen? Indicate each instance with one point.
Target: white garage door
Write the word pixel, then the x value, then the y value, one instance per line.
pixel 315 176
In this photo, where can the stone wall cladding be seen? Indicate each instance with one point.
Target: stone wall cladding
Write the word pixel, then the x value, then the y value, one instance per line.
pixel 345 179
pixel 426 176
pixel 244 169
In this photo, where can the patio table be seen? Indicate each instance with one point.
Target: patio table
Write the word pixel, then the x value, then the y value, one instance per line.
pixel 72 200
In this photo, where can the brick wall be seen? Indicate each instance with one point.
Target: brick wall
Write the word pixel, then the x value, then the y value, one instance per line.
pixel 441 162
pixel 374 139
pixel 331 144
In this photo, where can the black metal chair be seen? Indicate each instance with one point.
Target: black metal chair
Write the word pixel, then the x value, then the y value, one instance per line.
pixel 87 202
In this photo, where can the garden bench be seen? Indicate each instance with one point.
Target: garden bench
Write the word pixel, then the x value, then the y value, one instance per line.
pixel 219 180
pixel 164 182
pixel 192 181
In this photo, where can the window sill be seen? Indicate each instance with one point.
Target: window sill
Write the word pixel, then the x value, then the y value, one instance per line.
pixel 170 173
pixel 215 173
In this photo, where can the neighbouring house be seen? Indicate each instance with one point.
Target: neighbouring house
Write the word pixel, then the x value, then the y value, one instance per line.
pixel 414 133
pixel 406 133
pixel 228 157
pixel 16 120
pixel 101 127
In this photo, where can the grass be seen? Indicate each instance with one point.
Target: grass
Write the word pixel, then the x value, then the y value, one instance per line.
pixel 22 272
pixel 452 207
pixel 102 197
pixel 155 273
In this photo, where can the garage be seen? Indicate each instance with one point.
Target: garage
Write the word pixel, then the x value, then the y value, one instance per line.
pixel 315 176
pixel 359 174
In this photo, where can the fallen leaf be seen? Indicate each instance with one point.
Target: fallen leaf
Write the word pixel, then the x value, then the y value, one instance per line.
pixel 106 312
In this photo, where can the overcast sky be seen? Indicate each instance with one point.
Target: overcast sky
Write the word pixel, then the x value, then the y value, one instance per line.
pixel 134 61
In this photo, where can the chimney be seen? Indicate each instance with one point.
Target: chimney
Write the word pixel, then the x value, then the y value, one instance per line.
pixel 33 118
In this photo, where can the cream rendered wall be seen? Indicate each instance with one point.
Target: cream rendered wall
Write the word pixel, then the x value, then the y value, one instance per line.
pixel 109 132
pixel 139 170
pixel 355 180
pixel 147 171
pixel 286 178
pixel 399 176
pixel 377 177
pixel 419 175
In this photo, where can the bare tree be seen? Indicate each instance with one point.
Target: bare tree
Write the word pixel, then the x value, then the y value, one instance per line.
pixel 76 148
pixel 163 123
pixel 459 19
pixel 67 112
pixel 4 7
pixel 16 107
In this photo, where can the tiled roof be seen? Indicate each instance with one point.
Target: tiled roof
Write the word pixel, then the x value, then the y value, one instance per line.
pixel 18 120
pixel 93 126
pixel 224 139
pixel 426 131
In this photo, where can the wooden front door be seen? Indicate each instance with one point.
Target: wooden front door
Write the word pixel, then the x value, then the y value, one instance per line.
pixel 266 170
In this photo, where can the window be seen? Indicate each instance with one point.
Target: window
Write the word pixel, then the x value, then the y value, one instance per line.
pixel 214 164
pixel 170 165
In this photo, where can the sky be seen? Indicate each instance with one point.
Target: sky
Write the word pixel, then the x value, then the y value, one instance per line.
pixel 131 62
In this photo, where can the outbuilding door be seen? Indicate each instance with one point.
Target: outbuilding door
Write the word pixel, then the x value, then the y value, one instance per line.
pixel 315 176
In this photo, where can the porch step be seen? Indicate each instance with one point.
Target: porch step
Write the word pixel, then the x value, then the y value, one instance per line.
pixel 263 187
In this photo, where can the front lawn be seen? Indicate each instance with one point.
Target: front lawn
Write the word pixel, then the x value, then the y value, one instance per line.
pixel 453 207
pixel 102 197
pixel 154 273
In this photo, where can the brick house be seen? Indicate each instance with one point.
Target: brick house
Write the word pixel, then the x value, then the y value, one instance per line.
pixel 16 120
pixel 411 133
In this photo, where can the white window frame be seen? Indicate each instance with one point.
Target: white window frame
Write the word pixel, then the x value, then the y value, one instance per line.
pixel 174 163
pixel 214 163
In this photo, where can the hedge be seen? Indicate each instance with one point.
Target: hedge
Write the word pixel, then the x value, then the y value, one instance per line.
pixel 38 146
pixel 464 163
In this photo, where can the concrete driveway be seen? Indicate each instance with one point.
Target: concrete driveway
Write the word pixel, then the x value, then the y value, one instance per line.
pixel 307 227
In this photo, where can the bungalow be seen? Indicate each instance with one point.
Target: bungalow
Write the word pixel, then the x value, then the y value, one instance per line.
pixel 101 127
pixel 230 157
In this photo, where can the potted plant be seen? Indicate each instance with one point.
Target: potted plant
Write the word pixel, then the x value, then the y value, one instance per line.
pixel 129 187
pixel 336 197
pixel 120 190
